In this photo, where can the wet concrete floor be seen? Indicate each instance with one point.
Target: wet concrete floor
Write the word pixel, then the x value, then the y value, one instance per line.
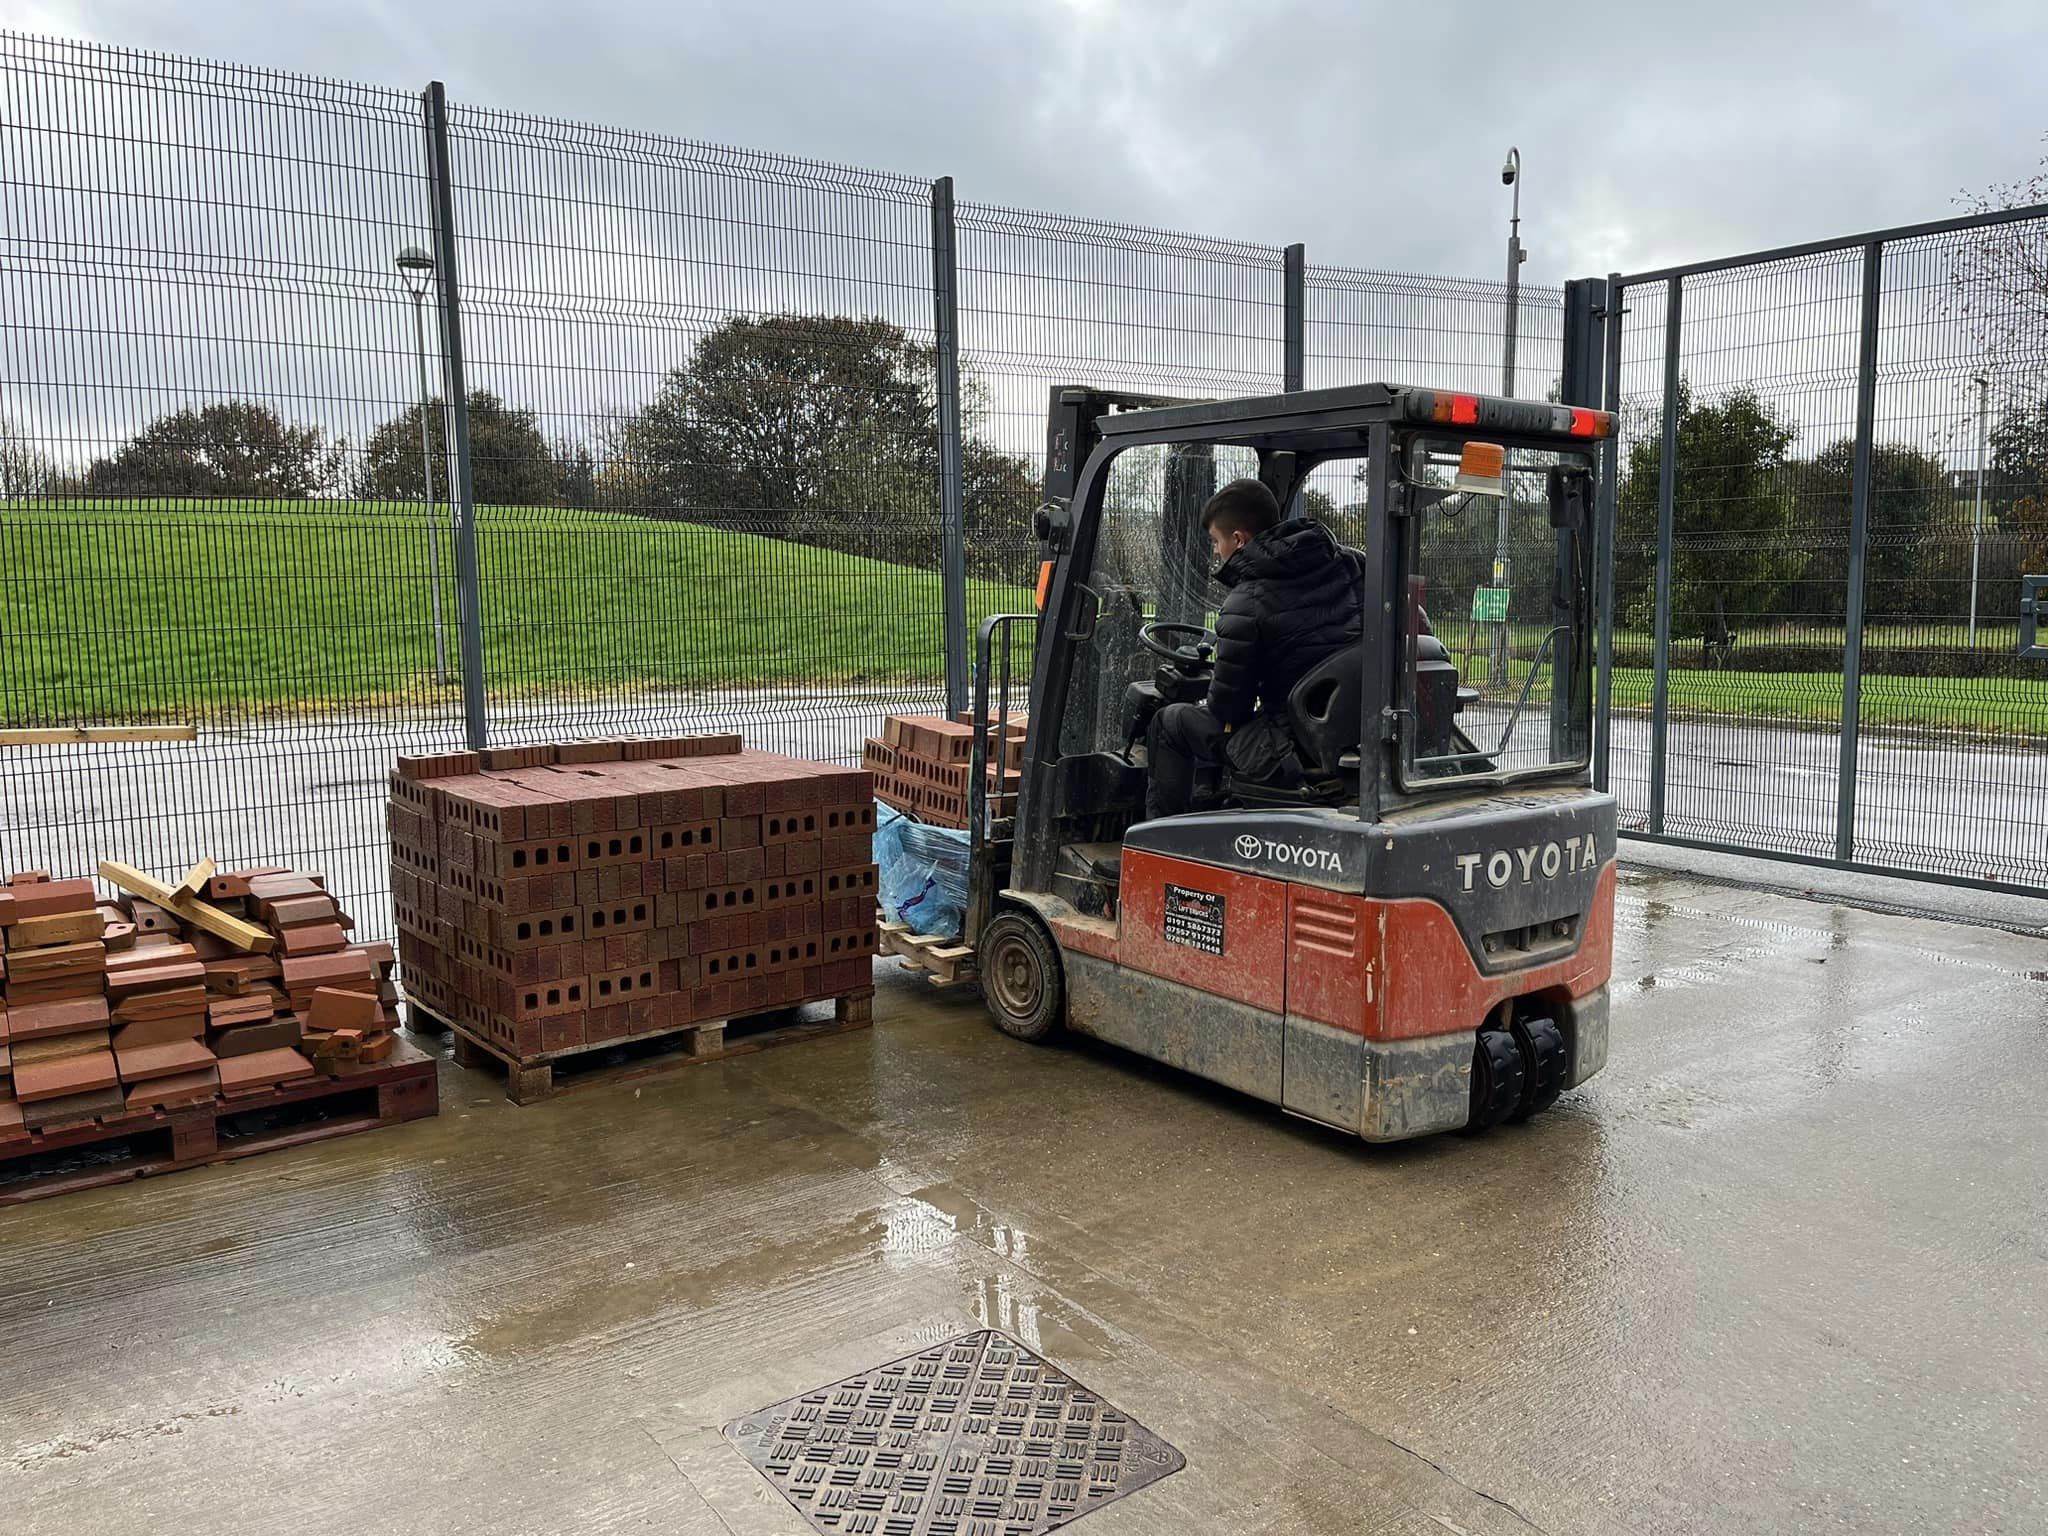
pixel 1783 1267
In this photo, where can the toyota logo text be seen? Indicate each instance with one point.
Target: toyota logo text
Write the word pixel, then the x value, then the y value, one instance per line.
pixel 1506 866
pixel 1292 855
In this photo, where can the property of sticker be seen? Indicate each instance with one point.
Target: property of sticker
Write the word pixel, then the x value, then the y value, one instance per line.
pixel 1194 919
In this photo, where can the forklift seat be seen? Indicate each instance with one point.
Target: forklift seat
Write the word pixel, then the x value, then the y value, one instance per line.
pixel 1324 711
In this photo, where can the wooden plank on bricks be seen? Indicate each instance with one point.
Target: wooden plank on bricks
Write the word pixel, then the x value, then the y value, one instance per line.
pixel 244 936
pixel 194 884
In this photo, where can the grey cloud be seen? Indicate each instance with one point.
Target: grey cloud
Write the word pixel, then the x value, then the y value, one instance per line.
pixel 1374 134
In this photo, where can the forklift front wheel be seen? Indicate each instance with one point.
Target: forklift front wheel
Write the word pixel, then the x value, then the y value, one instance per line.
pixel 1020 976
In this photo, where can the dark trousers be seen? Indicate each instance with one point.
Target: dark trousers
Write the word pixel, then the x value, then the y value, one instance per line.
pixel 1189 753
pixel 1184 747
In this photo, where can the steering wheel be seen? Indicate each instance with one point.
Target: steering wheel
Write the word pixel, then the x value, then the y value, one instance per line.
pixel 1199 651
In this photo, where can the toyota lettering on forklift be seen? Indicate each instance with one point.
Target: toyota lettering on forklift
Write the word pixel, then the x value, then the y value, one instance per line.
pixel 1415 933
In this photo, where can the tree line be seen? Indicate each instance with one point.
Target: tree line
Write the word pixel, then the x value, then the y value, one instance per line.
pixel 1760 541
pixel 821 429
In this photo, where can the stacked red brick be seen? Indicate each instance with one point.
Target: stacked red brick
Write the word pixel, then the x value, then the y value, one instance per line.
pixel 122 1008
pixel 556 897
pixel 921 765
pixel 55 1037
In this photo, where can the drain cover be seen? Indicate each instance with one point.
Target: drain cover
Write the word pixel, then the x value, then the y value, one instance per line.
pixel 974 1437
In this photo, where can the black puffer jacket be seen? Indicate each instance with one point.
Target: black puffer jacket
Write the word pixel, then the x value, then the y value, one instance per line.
pixel 1294 595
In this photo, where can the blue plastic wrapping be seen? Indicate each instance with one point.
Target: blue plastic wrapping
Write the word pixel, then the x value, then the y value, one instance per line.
pixel 923 873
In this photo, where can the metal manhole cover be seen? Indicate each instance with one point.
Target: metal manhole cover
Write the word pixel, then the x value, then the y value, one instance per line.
pixel 973 1437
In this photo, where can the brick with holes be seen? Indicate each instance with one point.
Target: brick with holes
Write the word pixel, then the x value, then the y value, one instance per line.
pixel 627 915
pixel 631 981
pixel 528 930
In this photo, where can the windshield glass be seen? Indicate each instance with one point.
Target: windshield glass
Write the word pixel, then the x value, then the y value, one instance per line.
pixel 1499 606
pixel 1151 564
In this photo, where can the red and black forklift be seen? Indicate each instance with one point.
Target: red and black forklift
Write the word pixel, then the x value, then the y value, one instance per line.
pixel 1415 938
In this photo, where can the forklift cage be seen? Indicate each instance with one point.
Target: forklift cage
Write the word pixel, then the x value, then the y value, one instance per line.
pixel 1292 434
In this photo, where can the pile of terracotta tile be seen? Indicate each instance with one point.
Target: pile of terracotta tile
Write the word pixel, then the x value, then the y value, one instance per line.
pixel 921 765
pixel 114 1008
pixel 556 897
pixel 332 1000
pixel 55 1041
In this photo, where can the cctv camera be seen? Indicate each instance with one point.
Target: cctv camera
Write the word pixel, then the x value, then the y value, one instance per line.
pixel 1507 175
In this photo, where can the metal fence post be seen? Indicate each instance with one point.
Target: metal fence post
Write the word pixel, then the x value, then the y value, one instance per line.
pixel 1667 500
pixel 1609 514
pixel 1579 381
pixel 1294 319
pixel 461 482
pixel 1859 539
pixel 952 497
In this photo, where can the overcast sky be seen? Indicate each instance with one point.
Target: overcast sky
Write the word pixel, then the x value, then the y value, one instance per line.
pixel 1373 133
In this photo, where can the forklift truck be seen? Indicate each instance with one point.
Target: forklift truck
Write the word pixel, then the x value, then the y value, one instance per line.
pixel 1417 936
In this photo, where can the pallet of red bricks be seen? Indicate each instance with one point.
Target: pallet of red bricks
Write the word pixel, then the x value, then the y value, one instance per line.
pixel 558 898
pixel 169 1007
pixel 921 763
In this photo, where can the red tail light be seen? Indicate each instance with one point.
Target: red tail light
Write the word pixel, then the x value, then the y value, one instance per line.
pixel 1457 410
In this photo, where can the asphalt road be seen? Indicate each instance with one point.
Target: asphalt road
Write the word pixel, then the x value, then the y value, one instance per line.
pixel 1781 1268
pixel 312 793
pixel 1954 809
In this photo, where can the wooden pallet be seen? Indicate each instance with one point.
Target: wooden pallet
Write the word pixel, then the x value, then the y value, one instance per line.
pixel 531 1078
pixel 946 962
pixel 137 1146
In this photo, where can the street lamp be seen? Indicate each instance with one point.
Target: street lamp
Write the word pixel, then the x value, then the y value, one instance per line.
pixel 416 268
pixel 1511 176
pixel 1977 524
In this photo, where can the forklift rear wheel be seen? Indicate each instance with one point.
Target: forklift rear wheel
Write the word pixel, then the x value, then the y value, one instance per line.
pixel 1020 976
pixel 1497 1078
pixel 1542 1046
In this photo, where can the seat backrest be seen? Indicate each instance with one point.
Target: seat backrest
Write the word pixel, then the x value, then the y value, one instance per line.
pixel 1324 710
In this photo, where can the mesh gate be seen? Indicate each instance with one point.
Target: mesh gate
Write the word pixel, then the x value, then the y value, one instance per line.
pixel 1832 479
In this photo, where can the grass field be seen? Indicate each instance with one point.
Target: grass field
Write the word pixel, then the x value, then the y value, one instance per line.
pixel 164 610
pixel 131 614
pixel 1992 707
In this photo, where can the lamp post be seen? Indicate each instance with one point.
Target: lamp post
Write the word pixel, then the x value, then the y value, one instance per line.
pixel 1511 177
pixel 1977 523
pixel 416 267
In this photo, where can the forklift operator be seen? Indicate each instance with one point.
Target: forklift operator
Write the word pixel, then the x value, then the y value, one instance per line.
pixel 1293 598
